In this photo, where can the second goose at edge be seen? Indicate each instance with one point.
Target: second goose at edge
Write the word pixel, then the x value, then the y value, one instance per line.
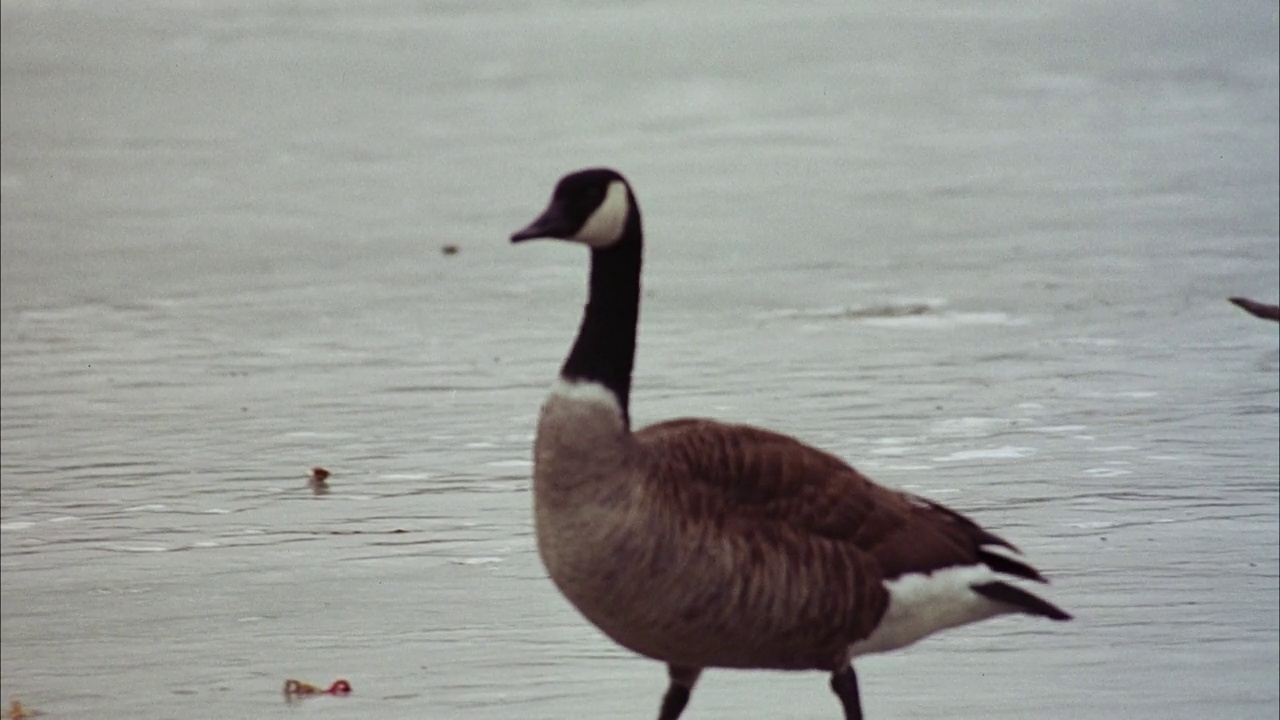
pixel 703 544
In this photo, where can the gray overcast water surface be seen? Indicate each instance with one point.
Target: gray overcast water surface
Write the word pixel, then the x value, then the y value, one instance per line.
pixel 980 249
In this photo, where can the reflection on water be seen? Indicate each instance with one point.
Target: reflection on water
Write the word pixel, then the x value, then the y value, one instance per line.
pixel 983 252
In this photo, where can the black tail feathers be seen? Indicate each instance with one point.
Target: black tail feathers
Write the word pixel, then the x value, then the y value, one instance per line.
pixel 1021 599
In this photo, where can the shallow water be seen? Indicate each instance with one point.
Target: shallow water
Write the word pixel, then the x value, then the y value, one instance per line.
pixel 982 251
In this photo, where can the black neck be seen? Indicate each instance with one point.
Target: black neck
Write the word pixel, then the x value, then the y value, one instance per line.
pixel 606 346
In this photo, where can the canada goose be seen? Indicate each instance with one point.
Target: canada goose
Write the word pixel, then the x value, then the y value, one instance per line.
pixel 1257 309
pixel 703 544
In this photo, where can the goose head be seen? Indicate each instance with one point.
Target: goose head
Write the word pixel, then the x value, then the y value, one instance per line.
pixel 592 207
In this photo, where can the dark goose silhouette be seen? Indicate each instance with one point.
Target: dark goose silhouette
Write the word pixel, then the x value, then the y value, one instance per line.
pixel 1257 309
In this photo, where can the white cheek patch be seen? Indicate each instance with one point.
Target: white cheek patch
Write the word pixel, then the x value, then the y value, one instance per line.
pixel 606 224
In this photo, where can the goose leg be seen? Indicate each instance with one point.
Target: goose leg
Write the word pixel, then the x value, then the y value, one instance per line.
pixel 844 683
pixel 678 691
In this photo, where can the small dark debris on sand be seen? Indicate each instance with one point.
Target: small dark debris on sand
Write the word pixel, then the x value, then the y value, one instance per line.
pixel 449 249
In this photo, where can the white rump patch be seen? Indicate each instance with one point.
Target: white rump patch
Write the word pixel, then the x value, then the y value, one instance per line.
pixel 921 605
pixel 587 391
pixel 606 224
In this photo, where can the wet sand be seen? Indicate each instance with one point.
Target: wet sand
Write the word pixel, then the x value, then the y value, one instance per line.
pixel 982 252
